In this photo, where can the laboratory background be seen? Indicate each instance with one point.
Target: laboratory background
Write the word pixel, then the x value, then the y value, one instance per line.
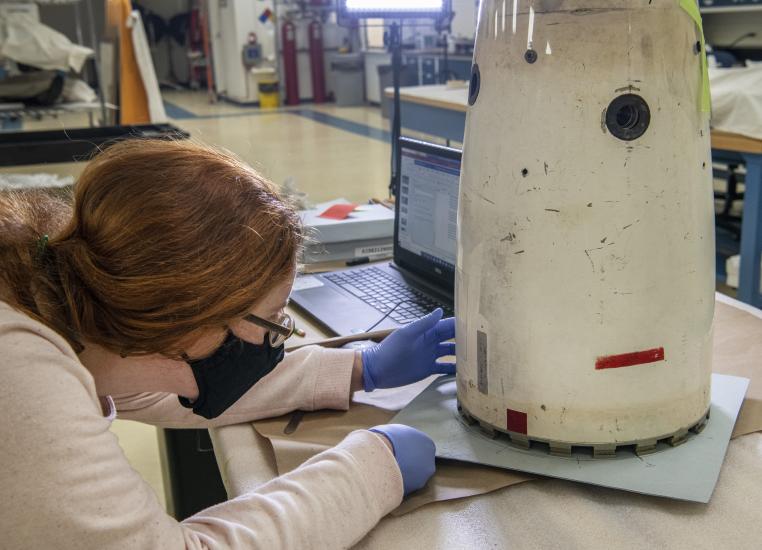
pixel 577 182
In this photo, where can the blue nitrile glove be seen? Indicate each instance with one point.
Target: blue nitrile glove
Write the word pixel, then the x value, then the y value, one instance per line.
pixel 414 452
pixel 410 354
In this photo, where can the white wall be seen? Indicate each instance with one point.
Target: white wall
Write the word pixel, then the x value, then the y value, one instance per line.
pixel 464 22
pixel 230 23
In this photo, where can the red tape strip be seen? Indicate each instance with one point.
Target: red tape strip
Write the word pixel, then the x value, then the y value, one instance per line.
pixel 630 359
pixel 517 421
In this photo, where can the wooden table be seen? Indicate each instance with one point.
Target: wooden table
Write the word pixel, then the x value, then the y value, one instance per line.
pixel 441 111
pixel 548 513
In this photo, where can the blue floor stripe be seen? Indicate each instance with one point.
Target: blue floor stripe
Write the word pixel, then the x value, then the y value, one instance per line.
pixel 178 113
pixel 248 112
pixel 344 124
pixel 173 111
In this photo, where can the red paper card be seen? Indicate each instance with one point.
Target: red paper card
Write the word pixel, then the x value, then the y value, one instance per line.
pixel 338 211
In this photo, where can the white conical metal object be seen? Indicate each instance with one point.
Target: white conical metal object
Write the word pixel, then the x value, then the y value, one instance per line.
pixel 585 278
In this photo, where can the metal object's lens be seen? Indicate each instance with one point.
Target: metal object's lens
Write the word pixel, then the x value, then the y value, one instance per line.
pixel 628 117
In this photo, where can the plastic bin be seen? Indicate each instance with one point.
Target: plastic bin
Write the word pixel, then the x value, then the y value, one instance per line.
pixel 254 89
pixel 349 71
pixel 269 94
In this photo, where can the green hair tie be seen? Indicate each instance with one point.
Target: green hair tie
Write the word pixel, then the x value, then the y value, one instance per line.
pixel 42 244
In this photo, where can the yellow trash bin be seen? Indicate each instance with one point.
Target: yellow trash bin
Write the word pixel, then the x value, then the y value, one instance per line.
pixel 269 96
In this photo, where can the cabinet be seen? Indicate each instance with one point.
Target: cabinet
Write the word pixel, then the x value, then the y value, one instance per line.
pixel 718 6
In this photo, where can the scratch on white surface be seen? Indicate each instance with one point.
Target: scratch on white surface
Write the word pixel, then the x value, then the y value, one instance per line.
pixel 530 31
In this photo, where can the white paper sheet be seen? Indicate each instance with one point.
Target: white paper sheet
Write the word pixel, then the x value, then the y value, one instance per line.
pixel 686 472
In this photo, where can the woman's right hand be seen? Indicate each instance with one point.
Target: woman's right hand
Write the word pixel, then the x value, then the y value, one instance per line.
pixel 414 452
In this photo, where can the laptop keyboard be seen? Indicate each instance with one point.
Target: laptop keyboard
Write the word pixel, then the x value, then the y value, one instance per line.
pixel 385 294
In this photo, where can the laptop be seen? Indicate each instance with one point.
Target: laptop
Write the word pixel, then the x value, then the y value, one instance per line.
pixel 421 276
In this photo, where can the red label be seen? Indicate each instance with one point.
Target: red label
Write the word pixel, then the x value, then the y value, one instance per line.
pixel 630 359
pixel 338 211
pixel 517 421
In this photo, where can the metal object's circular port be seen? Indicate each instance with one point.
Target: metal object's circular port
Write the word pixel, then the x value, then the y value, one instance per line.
pixel 628 117
pixel 475 85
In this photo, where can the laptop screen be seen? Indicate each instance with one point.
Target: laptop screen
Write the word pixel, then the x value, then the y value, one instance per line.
pixel 427 211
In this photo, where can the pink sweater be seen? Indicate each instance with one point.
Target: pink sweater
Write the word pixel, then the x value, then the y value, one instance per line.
pixel 65 482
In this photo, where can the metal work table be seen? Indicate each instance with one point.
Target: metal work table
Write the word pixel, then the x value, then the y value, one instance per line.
pixel 441 111
pixel 549 513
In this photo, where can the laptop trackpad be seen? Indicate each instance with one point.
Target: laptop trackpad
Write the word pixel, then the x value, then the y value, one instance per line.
pixel 343 314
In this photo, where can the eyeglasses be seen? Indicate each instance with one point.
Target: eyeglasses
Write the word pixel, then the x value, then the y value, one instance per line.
pixel 279 330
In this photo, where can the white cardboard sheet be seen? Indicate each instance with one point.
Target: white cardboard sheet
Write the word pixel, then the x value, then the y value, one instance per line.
pixel 686 472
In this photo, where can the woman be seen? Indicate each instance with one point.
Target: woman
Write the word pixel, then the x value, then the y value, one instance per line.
pixel 168 278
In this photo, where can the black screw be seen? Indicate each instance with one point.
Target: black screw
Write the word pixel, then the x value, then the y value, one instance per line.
pixel 697 48
pixel 530 56
pixel 525 172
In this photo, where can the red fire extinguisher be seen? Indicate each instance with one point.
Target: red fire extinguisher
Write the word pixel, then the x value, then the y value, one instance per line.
pixel 290 69
pixel 317 67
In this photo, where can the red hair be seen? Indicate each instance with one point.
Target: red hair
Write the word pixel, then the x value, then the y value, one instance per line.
pixel 164 238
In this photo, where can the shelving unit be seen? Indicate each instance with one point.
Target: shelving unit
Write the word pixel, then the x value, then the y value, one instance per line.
pixel 10 115
pixel 729 6
pixel 19 148
pixel 11 112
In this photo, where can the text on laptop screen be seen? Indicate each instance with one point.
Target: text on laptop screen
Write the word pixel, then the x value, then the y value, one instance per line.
pixel 428 211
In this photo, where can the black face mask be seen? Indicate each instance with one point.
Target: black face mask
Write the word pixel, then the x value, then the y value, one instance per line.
pixel 230 372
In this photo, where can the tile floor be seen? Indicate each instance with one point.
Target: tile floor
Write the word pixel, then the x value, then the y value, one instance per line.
pixel 329 151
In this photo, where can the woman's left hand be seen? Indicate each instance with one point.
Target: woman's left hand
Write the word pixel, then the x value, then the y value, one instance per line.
pixel 410 354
